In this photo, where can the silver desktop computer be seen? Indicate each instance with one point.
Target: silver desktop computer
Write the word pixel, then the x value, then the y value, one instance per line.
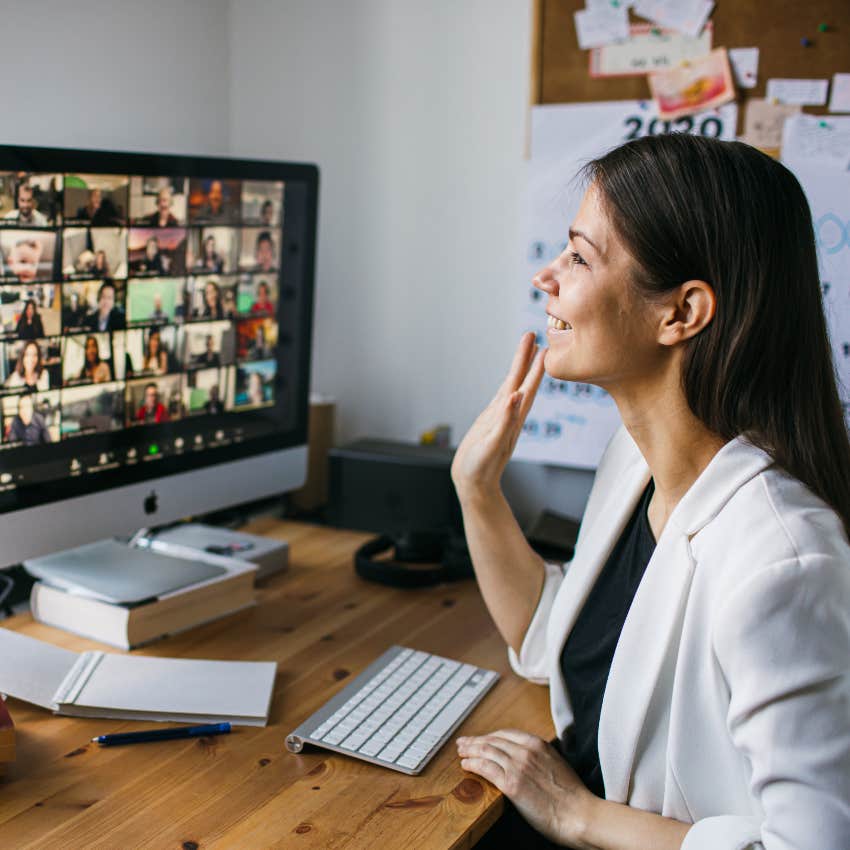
pixel 155 332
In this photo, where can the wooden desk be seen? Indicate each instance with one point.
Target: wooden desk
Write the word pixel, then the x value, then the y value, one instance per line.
pixel 322 625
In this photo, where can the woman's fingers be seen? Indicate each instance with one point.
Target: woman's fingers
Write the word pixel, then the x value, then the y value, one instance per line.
pixel 531 382
pixel 519 366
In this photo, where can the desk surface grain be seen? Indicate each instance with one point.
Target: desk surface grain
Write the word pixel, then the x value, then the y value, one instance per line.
pixel 322 625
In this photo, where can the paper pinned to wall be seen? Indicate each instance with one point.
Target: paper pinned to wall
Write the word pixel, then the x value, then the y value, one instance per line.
pixel 817 144
pixel 839 100
pixel 601 25
pixel 687 16
pixel 648 49
pixel 801 92
pixel 570 423
pixel 763 123
pixel 705 83
pixel 745 66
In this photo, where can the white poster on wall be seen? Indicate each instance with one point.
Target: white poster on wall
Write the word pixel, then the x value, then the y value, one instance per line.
pixel 570 424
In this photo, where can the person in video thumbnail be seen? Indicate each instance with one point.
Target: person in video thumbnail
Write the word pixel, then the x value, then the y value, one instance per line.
pixel 267 213
pixel 30 325
pixel 94 369
pixel 258 349
pixel 214 404
pixel 75 315
pixel 213 308
pixel 162 216
pixel 155 262
pixel 152 409
pixel 263 304
pixel 210 356
pixel 256 395
pixel 210 260
pixel 26 213
pixel 264 252
pixel 101 264
pixel 24 258
pixel 158 314
pixel 28 427
pixel 100 211
pixel 155 359
pixel 107 317
pixel 213 210
pixel 29 371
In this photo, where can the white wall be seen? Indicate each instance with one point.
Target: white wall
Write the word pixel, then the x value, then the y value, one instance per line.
pixel 139 76
pixel 415 112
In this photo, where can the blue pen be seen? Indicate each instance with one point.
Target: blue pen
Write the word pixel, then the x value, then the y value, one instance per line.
pixel 162 734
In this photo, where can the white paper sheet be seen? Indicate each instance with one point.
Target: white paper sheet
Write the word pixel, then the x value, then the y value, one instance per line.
pixel 745 66
pixel 570 424
pixel 601 25
pixel 801 92
pixel 839 99
pixel 817 144
pixel 648 49
pixel 687 16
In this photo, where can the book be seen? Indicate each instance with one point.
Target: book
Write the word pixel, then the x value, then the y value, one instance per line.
pixel 130 625
pixel 128 687
pixel 7 736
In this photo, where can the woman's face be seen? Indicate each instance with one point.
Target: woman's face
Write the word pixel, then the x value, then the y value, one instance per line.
pixel 30 358
pixel 209 247
pixel 607 332
pixel 152 248
pixel 211 294
pixel 153 343
pixel 29 310
pixel 91 350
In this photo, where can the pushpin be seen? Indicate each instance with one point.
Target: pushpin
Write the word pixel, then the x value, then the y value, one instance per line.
pixel 824 124
pixel 806 42
pixel 655 31
pixel 823 27
pixel 773 101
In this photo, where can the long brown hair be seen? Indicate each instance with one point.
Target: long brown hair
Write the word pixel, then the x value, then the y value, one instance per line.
pixel 692 208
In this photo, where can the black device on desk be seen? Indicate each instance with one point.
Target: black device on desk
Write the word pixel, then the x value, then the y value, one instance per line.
pixel 404 492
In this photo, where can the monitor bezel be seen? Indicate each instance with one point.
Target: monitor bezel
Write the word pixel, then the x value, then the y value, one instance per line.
pixel 41 160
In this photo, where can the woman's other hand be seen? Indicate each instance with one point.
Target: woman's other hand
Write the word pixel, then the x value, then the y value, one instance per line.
pixel 535 778
pixel 484 452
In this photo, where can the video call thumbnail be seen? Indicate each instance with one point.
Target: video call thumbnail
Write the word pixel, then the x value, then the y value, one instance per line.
pixel 158 201
pixel 32 365
pixel 128 300
pixel 100 200
pixel 30 200
pixel 208 391
pixel 157 251
pixel 92 409
pixel 89 252
pixel 30 419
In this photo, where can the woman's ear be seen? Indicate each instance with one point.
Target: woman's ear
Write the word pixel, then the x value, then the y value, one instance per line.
pixel 688 309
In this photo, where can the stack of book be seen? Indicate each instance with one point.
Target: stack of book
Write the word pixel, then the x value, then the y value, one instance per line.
pixel 7 737
pixel 128 625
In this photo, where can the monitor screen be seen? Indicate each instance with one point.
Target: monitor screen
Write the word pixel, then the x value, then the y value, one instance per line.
pixel 155 316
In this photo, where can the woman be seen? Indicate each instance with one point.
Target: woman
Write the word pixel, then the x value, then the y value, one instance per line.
pixel 210 260
pixel 94 369
pixel 155 359
pixel 713 554
pixel 29 371
pixel 256 391
pixel 101 264
pixel 213 308
pixel 30 325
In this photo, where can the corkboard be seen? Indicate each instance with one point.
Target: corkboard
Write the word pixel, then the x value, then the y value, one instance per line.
pixel 559 72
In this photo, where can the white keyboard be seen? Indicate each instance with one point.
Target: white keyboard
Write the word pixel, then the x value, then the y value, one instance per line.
pixel 399 711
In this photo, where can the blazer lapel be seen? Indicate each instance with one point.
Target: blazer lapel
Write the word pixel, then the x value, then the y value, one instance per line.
pixel 653 626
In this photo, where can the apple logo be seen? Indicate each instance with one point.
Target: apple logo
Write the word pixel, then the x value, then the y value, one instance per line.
pixel 150 504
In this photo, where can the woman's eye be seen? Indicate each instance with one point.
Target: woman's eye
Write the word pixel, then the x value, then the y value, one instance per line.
pixel 577 259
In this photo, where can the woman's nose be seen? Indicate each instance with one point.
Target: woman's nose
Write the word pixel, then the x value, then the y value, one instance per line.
pixel 545 281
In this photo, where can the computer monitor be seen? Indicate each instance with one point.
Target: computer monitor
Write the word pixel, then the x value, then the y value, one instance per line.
pixel 155 332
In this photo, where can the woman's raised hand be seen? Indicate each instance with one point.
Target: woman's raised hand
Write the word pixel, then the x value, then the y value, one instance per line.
pixel 484 452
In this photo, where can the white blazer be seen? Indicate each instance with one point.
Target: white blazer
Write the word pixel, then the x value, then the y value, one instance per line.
pixel 728 700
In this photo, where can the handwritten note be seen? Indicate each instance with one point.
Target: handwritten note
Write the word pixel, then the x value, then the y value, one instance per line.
pixel 687 16
pixel 820 143
pixel 601 25
pixel 801 92
pixel 648 49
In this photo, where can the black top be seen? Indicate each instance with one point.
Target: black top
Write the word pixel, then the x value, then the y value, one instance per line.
pixel 589 649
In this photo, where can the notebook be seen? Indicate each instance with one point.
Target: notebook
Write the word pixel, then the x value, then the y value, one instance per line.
pixel 127 687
